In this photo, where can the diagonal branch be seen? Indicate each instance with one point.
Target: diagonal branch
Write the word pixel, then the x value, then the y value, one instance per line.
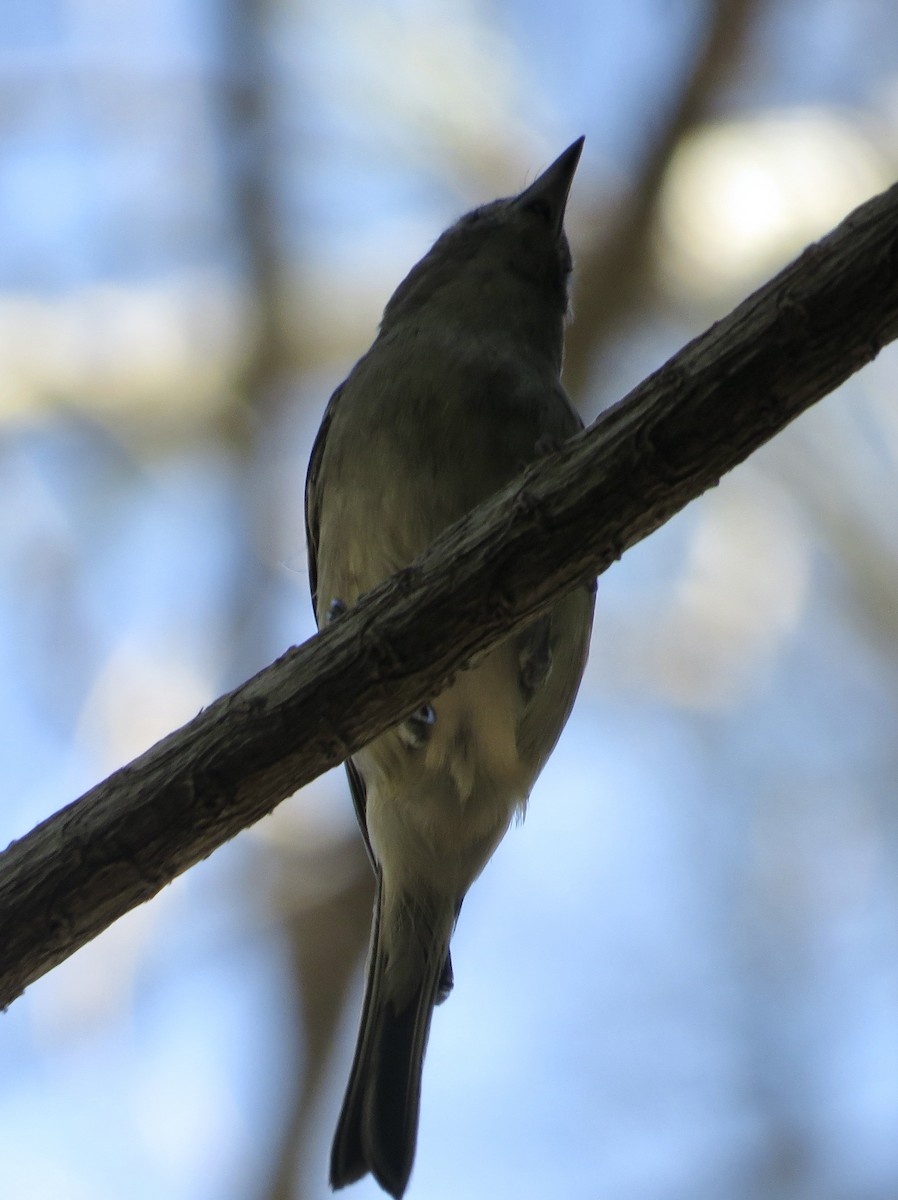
pixel 563 521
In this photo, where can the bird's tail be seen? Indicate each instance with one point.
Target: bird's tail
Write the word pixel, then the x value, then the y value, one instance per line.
pixel 378 1125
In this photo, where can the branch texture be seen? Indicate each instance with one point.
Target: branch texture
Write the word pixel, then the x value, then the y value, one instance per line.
pixel 564 520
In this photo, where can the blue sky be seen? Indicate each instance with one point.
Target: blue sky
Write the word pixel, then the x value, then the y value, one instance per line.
pixel 678 978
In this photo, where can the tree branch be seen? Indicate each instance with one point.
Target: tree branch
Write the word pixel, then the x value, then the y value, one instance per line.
pixel 565 519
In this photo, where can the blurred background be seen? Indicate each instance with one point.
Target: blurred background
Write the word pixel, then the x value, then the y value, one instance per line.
pixel 679 978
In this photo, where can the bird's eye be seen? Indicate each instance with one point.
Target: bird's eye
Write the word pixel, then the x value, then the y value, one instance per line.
pixel 540 208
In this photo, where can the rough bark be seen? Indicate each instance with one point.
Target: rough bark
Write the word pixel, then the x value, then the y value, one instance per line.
pixel 566 519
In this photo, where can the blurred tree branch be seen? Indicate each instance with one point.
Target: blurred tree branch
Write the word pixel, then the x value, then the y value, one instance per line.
pixel 324 924
pixel 565 519
pixel 611 274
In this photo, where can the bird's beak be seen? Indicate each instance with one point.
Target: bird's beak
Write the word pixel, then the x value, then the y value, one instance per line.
pixel 554 184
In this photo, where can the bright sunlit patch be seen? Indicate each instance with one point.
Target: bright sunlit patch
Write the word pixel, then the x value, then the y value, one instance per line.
pixel 136 699
pixel 741 593
pixel 743 197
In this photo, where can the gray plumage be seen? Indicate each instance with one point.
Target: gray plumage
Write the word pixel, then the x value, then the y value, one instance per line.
pixel 459 391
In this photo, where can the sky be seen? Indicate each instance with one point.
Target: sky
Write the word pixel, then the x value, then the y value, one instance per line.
pixel 679 977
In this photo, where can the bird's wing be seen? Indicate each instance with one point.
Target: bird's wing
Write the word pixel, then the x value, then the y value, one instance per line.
pixel 313 520
pixel 359 801
pixel 313 496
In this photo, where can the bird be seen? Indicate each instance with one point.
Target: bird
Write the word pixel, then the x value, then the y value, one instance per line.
pixel 459 391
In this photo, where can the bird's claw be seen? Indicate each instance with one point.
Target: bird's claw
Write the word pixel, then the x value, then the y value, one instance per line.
pixel 415 729
pixel 336 608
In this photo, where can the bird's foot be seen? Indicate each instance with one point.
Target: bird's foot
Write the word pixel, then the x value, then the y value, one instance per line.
pixel 336 608
pixel 415 730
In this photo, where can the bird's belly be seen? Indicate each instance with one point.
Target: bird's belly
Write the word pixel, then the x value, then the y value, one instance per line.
pixel 440 809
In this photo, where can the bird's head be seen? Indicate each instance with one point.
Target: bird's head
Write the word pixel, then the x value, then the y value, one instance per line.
pixel 505 264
